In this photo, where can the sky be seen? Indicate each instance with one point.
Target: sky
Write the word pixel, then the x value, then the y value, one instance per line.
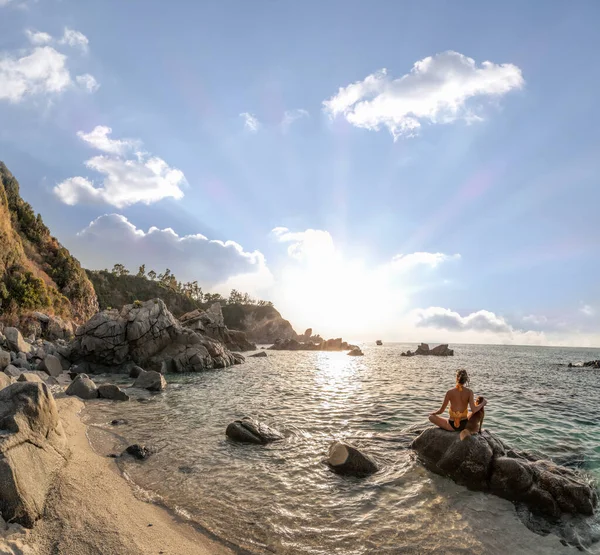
pixel 408 171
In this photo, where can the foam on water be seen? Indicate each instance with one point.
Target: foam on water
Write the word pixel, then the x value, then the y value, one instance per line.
pixel 282 499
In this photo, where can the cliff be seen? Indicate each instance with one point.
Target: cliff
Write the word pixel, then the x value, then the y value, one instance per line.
pixel 261 324
pixel 36 271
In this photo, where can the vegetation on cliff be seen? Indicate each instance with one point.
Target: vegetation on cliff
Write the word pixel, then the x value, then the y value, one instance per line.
pixel 259 319
pixel 36 271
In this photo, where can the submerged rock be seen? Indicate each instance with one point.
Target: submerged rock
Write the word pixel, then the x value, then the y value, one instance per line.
pixel 482 462
pixel 33 448
pixel 346 459
pixel 151 380
pixel 260 354
pixel 82 387
pixel 248 430
pixel 111 391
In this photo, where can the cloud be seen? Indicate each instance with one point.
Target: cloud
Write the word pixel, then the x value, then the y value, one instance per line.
pixel 37 37
pixel 112 238
pixel 76 39
pixel 587 310
pixel 290 116
pixel 312 244
pixel 250 122
pixel 41 72
pixel 88 82
pixel 405 262
pixel 99 139
pixel 138 178
pixel 436 90
pixel 443 318
pixel 535 319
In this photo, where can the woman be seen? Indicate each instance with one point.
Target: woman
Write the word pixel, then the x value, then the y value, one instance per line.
pixel 460 398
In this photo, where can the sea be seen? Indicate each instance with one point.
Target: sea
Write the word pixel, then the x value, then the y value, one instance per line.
pixel 282 498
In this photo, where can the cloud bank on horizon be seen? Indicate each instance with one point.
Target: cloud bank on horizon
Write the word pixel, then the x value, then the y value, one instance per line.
pixel 361 252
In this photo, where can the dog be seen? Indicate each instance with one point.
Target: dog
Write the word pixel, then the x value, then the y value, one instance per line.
pixel 475 421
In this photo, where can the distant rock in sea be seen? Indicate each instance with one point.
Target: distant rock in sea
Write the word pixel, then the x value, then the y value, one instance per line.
pixel 590 364
pixel 423 349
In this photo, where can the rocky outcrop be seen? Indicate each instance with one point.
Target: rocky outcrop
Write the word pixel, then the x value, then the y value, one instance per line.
pixel 48 327
pixel 356 352
pixel 346 459
pixel 322 345
pixel 262 324
pixel 82 387
pixel 210 323
pixel 150 380
pixel 33 447
pixel 423 349
pixel 482 462
pixel 589 364
pixel 248 430
pixel 379 342
pixel 146 334
pixel 260 354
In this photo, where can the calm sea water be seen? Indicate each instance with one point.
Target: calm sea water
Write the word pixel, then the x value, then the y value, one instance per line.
pixel 282 499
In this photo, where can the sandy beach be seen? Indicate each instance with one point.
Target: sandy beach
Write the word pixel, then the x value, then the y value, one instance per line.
pixel 92 509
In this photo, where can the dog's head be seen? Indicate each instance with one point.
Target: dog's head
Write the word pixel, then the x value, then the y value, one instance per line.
pixel 479 400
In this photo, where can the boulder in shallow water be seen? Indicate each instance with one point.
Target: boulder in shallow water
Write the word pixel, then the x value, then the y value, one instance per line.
pixel 346 459
pixel 135 371
pixel 150 380
pixel 356 352
pixel 248 430
pixel 33 448
pixel 82 387
pixel 260 354
pixel 139 452
pixel 482 462
pixel 111 391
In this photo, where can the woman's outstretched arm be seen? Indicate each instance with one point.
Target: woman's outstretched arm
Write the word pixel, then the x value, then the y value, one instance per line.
pixel 444 405
pixel 475 408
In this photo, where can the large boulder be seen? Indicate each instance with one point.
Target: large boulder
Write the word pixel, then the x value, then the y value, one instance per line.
pixel 248 430
pixel 15 341
pixel 4 359
pixel 482 462
pixel 146 334
pixel 82 387
pixel 150 380
pixel 346 459
pixel 51 365
pixel 33 447
pixel 111 391
pixel 5 380
pixel 12 371
pixel 356 352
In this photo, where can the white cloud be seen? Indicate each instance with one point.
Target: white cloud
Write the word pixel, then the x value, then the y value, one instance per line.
pixel 443 318
pixel 88 82
pixel 100 140
pixel 405 262
pixel 75 39
pixel 436 90
pixel 112 239
pixel 41 72
pixel 311 245
pixel 250 122
pixel 37 37
pixel 141 178
pixel 535 319
pixel 587 310
pixel 290 116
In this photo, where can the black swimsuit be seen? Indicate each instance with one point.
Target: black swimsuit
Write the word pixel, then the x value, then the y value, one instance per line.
pixel 461 426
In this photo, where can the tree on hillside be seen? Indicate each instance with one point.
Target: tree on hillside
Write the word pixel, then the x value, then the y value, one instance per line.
pixel 142 271
pixel 120 270
pixel 235 297
pixel 213 298
pixel 152 275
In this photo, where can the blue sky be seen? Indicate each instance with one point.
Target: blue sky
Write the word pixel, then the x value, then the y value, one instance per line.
pixel 453 197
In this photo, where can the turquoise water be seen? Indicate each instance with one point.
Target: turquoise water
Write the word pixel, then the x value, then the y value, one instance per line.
pixel 282 499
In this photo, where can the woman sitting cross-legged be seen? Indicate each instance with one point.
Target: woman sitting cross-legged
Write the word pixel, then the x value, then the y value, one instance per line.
pixel 461 398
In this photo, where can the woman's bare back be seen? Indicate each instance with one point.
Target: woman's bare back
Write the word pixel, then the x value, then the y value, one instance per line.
pixel 459 400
